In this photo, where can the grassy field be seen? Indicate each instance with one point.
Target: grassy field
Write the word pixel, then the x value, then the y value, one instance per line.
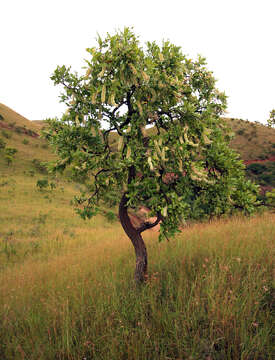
pixel 67 289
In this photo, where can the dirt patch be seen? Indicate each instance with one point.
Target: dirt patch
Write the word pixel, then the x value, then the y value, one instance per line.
pixel 248 162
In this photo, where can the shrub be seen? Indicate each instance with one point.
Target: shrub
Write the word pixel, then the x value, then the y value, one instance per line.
pixel 40 166
pixel 256 168
pixel 266 179
pixel 6 134
pixel 2 144
pixel 110 216
pixel 25 142
pixel 12 123
pixel 18 129
pixel 42 184
pixel 11 151
pixel 9 155
pixel 241 132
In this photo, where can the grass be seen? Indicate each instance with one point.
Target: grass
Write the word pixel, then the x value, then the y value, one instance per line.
pixel 72 296
pixel 67 289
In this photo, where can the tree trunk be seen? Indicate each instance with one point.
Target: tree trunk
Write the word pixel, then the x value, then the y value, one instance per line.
pixel 136 239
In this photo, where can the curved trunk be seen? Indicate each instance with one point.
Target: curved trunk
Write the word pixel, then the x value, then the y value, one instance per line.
pixel 136 239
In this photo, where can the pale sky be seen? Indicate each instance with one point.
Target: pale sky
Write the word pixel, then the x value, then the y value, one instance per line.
pixel 237 38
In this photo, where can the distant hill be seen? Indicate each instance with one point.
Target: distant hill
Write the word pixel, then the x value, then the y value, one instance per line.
pixel 12 120
pixel 24 135
pixel 254 142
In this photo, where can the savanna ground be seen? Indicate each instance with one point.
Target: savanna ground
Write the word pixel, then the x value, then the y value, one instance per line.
pixel 67 289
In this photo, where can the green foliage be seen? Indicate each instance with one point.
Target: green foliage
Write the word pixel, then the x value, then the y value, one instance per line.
pixel 2 144
pixel 6 134
pixel 271 120
pixel 263 174
pixel 110 216
pixel 270 197
pixel 42 184
pixel 256 168
pixel 9 154
pixel 25 141
pixel 241 132
pixel 183 168
pixel 40 166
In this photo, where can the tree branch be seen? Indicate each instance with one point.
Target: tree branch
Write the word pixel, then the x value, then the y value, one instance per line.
pixel 147 225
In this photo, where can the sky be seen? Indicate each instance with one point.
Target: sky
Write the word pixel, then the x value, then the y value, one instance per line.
pixel 235 36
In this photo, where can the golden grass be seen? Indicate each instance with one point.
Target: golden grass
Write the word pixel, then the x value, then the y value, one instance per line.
pixel 209 283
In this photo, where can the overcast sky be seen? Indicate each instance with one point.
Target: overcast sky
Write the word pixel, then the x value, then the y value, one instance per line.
pixel 235 36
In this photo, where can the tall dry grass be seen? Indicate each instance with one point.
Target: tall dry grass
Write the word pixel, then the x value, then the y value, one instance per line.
pixel 208 296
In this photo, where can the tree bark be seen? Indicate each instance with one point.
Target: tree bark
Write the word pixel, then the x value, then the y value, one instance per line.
pixel 136 239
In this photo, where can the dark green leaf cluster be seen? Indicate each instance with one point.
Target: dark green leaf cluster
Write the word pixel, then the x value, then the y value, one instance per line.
pixel 146 122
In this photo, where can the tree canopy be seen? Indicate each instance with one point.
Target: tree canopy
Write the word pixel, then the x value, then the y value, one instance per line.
pixel 144 125
pixel 271 120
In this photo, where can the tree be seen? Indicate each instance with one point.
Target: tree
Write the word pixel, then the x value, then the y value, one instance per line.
pixel 9 155
pixel 271 120
pixel 145 126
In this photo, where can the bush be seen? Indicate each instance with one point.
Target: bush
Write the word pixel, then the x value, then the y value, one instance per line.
pixel 265 179
pixel 25 142
pixel 9 155
pixel 2 144
pixel 40 166
pixel 6 134
pixel 110 216
pixel 42 184
pixel 11 151
pixel 256 168
pixel 241 132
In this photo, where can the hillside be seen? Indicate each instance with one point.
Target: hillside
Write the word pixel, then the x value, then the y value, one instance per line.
pixel 252 140
pixel 66 285
pixel 22 134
